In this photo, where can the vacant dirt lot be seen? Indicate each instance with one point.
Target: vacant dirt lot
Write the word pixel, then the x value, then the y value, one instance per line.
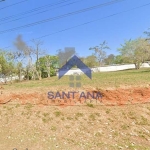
pixel 120 120
pixel 43 127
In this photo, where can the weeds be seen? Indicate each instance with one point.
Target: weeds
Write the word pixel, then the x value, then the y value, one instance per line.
pixel 63 118
pixel 124 127
pixel 69 118
pixel 132 115
pixel 28 106
pixel 79 114
pixel 45 120
pixel 45 114
pixel 143 121
pixel 107 111
pixel 90 105
pixel 98 134
pixel 53 128
pixel 17 105
pixel 92 117
pixel 57 113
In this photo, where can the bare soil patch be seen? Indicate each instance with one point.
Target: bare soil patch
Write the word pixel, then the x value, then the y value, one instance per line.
pixel 110 97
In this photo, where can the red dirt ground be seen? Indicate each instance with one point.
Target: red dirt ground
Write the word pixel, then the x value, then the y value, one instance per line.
pixel 109 97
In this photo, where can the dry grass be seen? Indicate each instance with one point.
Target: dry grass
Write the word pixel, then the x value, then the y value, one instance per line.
pixel 78 127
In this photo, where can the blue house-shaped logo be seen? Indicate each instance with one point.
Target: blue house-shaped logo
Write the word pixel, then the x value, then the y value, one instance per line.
pixel 74 61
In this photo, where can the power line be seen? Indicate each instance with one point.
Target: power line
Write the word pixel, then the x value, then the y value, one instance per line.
pixel 61 16
pixel 12 4
pixel 41 12
pixel 33 10
pixel 93 21
pixel 88 22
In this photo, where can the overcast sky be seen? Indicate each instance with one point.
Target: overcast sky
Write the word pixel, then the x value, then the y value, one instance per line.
pixel 112 28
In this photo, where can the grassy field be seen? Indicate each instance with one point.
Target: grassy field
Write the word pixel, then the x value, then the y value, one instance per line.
pixel 85 127
pixel 99 80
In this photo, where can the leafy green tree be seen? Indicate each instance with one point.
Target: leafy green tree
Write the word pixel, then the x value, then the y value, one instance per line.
pixel 110 59
pixel 118 59
pixel 7 66
pixel 48 65
pixel 91 61
pixel 135 51
pixel 4 64
pixel 17 57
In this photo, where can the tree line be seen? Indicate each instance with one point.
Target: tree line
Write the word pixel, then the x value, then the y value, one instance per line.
pixel 32 62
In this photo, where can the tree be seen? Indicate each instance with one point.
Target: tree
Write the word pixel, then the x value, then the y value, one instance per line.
pixel 90 61
pixel 25 51
pixel 37 52
pixel 48 65
pixel 18 58
pixel 118 59
pixel 147 34
pixel 148 39
pixel 135 51
pixel 4 64
pixel 99 52
pixel 110 59
pixel 7 67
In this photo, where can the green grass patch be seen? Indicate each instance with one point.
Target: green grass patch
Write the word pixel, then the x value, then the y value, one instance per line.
pixel 99 79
